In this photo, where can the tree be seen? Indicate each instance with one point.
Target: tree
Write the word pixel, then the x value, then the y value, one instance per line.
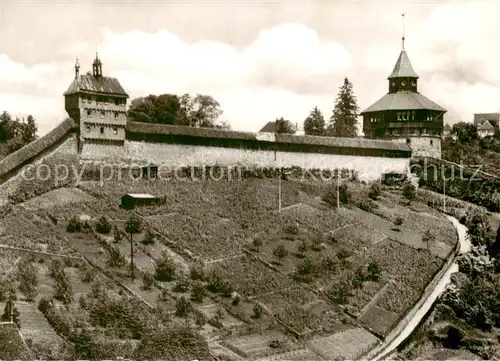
pixel 11 313
pixel 284 126
pixel 315 123
pixel 198 111
pixel 343 122
pixel 132 226
pixel 15 133
pixel 28 280
pixel 465 132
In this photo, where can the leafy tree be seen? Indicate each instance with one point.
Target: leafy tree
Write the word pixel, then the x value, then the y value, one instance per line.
pixel 198 292
pixel 102 226
pixel 198 111
pixel 183 307
pixel 284 126
pixel 343 122
pixel 409 191
pixel 465 132
pixel 315 123
pixel 28 281
pixel 15 133
pixel 165 268
pixel 161 109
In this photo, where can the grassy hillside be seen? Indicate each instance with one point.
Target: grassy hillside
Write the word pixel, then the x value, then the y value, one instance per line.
pixel 219 271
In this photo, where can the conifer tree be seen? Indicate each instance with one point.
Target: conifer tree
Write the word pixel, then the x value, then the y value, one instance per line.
pixel 315 123
pixel 343 122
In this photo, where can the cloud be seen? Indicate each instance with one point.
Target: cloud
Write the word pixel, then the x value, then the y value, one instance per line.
pixel 285 71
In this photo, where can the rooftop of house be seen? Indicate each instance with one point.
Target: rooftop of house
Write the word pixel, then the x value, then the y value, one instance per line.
pixel 403 67
pixel 486 126
pixel 403 100
pixel 480 118
pixel 270 127
pixel 447 127
pixel 99 85
pixel 140 195
pixel 12 346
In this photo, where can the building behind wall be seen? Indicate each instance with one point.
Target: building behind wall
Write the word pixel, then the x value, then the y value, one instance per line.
pixel 405 115
pixel 98 104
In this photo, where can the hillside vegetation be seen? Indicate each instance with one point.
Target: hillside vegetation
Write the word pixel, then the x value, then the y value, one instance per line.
pixel 218 271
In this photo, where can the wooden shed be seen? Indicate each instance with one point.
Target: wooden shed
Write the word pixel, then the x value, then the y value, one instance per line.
pixel 131 200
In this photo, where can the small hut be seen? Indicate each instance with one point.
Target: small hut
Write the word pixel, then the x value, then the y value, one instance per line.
pixel 132 200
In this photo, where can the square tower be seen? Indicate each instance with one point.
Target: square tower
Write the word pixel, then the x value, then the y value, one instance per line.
pixel 99 106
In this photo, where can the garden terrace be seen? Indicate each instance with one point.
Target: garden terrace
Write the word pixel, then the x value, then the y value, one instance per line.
pixel 250 277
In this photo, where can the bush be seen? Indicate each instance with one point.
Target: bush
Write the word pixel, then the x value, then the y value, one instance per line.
pixel 256 244
pixel 165 269
pixel 74 225
pixel 28 281
pixel 280 251
pixel 374 191
pixel 196 272
pixel 148 238
pixel 102 226
pixel 398 221
pixel 330 196
pixel 291 229
pixel 183 307
pixel 64 291
pixel 198 292
pixel 116 259
pixel 182 285
pixel 218 285
pixel 373 272
pixel 148 280
pixel 409 191
pixel 88 274
pixel 117 235
pixel 257 311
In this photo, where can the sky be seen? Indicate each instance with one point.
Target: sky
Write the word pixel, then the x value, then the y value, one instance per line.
pixel 260 59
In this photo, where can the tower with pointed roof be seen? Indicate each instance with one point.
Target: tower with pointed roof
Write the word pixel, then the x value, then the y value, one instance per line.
pixel 404 114
pixel 98 105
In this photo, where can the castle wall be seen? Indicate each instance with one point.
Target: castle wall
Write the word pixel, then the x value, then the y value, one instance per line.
pixel 181 155
pixel 422 146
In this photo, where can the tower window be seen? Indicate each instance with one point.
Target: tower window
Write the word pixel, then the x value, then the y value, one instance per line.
pixel 102 113
pixel 87 128
pixel 413 115
pixel 115 130
pixel 432 142
pixel 116 115
pixel 102 130
pixel 89 111
pixel 399 116
pixel 403 116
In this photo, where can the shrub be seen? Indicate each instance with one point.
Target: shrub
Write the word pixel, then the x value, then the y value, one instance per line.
pixel 330 197
pixel 28 281
pixel 183 307
pixel 409 191
pixel 74 225
pixel 148 238
pixel 182 285
pixel 148 280
pixel 116 259
pixel 64 291
pixel 165 269
pixel 88 274
pixel 373 272
pixel 257 311
pixel 374 191
pixel 428 238
pixel 102 226
pixel 198 292
pixel 280 251
pixel 291 229
pixel 256 244
pixel 218 285
pixel 196 272
pixel 316 244
pixel 302 247
pixel 117 235
pixel 398 221
pixel 56 268
pixel 343 255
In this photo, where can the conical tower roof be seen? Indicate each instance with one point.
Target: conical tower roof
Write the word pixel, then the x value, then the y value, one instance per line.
pixel 403 68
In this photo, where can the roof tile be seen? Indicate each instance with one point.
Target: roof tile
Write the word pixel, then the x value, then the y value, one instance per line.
pixel 403 100
pixel 101 85
pixel 403 67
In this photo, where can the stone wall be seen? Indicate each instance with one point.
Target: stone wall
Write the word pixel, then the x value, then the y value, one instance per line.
pixel 424 146
pixel 181 155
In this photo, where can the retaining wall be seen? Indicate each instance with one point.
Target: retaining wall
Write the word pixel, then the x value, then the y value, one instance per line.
pixel 406 320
